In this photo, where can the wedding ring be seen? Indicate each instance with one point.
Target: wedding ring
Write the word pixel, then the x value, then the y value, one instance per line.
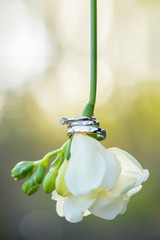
pixel 84 124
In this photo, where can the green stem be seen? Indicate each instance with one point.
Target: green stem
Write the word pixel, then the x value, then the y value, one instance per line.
pixel 49 155
pixel 89 107
pixel 53 153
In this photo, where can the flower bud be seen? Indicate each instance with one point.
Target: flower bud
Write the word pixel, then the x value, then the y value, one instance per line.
pixel 61 187
pixel 58 161
pixel 39 173
pixel 50 178
pixel 22 169
pixel 49 181
pixel 30 186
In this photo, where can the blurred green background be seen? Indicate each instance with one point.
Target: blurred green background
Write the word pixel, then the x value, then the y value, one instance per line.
pixel 44 75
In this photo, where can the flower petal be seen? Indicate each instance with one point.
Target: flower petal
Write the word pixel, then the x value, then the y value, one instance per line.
pixel 134 191
pixel 130 166
pixel 59 204
pixel 59 208
pixel 75 207
pixel 86 213
pixel 112 171
pixel 125 183
pixel 56 196
pixel 132 174
pixel 86 166
pixel 107 208
pixel 129 163
pixel 142 177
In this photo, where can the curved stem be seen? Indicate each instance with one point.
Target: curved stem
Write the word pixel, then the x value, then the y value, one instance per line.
pixel 49 155
pixel 89 107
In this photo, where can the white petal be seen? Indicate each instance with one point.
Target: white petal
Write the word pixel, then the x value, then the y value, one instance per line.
pixel 142 177
pixel 125 183
pixel 59 204
pixel 59 208
pixel 86 213
pixel 107 208
pixel 56 196
pixel 134 191
pixel 112 171
pixel 74 207
pixel 86 165
pixel 129 164
pixel 126 200
pixel 132 174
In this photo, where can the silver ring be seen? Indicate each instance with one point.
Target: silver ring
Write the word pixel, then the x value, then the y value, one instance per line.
pixel 84 124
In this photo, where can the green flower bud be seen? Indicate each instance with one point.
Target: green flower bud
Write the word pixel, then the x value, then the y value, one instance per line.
pixel 22 169
pixel 49 181
pixel 30 186
pixel 39 173
pixel 50 178
pixel 57 161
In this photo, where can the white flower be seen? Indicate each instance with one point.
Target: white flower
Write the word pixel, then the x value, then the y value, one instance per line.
pixel 96 180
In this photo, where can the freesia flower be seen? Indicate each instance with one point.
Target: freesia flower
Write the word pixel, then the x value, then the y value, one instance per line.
pixel 96 181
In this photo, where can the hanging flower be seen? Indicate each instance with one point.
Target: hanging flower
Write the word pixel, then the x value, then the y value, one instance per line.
pixel 85 177
pixel 96 180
